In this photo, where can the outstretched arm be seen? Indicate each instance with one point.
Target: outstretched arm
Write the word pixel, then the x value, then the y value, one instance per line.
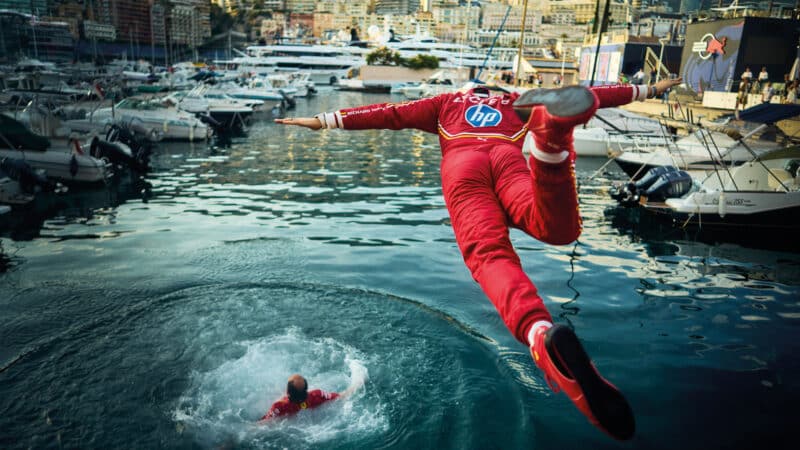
pixel 622 94
pixel 312 123
pixel 420 114
pixel 355 385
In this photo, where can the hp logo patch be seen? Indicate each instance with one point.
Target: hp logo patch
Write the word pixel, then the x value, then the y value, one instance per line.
pixel 483 116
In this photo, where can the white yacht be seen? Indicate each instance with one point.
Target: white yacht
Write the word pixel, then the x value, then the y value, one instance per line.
pixel 326 64
pixel 453 54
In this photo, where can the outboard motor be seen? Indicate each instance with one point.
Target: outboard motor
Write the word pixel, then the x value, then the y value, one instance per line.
pixel 138 150
pixel 669 185
pixel 210 121
pixel 288 102
pixel 630 193
pixel 793 167
pixel 117 153
pixel 142 132
pixel 28 178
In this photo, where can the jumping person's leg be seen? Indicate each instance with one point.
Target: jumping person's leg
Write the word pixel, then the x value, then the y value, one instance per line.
pixel 549 200
pixel 541 201
pixel 481 229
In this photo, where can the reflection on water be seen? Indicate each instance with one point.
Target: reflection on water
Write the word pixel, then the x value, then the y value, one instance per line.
pixel 166 310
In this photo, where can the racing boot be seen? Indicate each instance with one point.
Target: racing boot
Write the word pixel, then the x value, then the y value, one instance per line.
pixel 551 115
pixel 567 368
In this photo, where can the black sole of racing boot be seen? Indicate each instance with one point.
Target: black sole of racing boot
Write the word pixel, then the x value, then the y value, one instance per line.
pixel 562 102
pixel 607 404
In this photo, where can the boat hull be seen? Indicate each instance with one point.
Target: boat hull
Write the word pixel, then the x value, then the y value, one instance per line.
pixel 742 210
pixel 62 165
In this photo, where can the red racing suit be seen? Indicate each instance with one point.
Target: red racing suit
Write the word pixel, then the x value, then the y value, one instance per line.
pixel 488 186
pixel 284 407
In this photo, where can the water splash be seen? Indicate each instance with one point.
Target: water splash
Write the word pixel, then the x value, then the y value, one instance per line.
pixel 222 406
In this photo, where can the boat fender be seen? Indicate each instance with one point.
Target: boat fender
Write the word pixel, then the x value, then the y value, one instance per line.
pixel 73 166
pixel 721 205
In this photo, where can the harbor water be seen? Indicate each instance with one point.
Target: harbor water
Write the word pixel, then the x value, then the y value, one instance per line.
pixel 168 311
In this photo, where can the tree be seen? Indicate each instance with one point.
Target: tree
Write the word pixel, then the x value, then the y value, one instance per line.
pixel 421 62
pixel 384 56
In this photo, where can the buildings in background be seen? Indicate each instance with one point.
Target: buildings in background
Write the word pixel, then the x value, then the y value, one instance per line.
pixel 79 29
pixel 171 30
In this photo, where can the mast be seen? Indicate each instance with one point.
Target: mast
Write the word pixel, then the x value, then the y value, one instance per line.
pixel 600 27
pixel 518 77
pixel 33 30
pixel 486 58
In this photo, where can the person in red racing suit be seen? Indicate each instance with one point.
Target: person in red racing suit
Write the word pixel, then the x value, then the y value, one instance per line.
pixel 298 397
pixel 488 187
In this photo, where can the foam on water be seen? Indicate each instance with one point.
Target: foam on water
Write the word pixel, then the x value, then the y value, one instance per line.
pixel 223 405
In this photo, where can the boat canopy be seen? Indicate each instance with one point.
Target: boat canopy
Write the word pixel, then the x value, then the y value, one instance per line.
pixel 769 113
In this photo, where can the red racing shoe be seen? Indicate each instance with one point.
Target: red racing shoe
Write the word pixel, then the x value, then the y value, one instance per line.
pixel 567 367
pixel 552 114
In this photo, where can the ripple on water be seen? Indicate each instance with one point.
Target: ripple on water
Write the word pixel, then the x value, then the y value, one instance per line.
pixel 199 367
pixel 272 331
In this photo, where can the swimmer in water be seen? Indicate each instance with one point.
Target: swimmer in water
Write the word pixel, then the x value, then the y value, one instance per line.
pixel 298 398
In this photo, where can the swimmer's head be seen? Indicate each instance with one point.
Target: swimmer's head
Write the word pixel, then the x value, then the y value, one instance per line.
pixel 297 388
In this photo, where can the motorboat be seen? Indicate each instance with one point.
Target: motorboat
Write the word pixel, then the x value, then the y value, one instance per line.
pixel 252 90
pixel 67 162
pixel 600 142
pixel 300 80
pixel 714 144
pixel 151 113
pixel 699 150
pixel 437 83
pixel 613 130
pixel 228 112
pixel 280 81
pixel 763 193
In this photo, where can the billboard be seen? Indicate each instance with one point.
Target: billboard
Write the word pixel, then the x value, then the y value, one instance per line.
pixel 608 64
pixel 710 54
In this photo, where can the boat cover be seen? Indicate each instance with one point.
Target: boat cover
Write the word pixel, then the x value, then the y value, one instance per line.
pixel 769 112
pixel 19 136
